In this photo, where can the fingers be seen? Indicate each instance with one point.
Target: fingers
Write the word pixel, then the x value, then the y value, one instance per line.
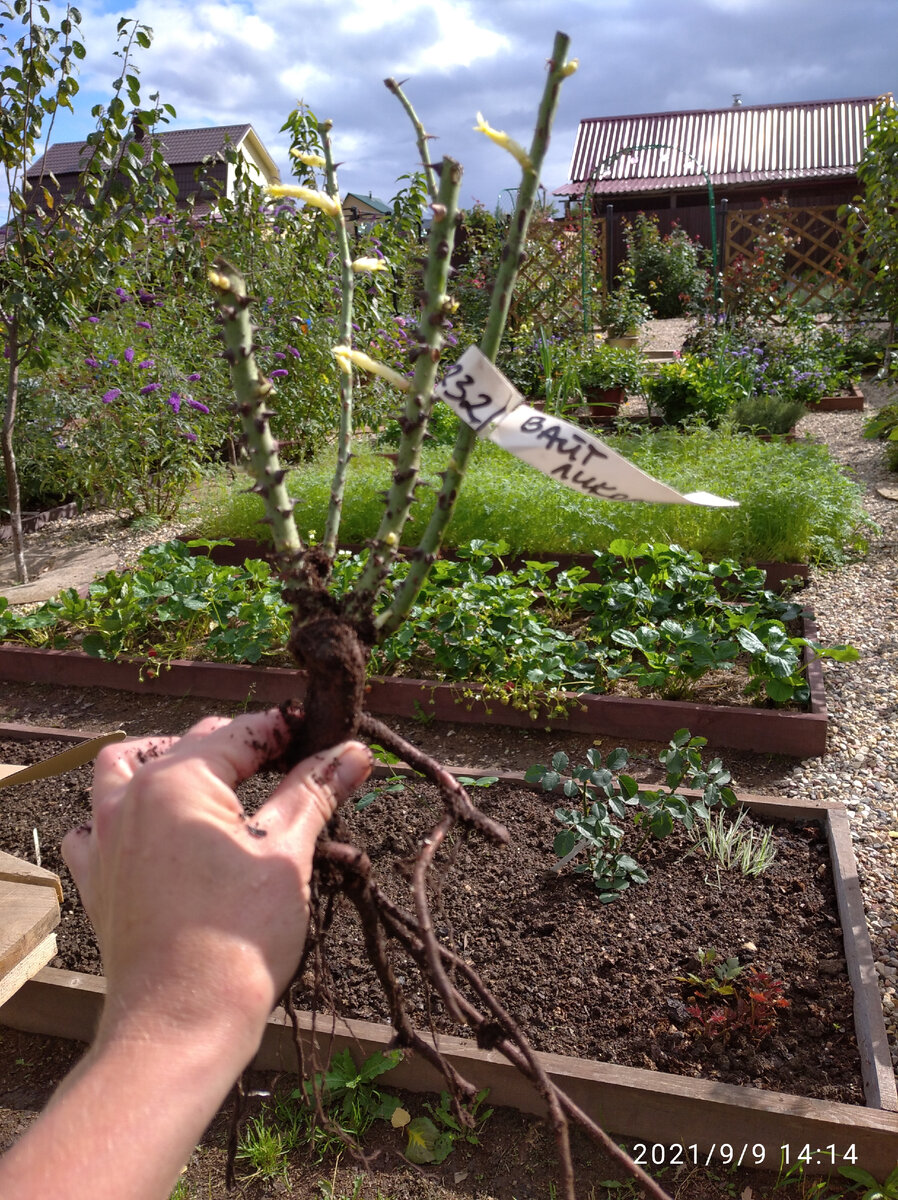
pixel 307 797
pixel 115 765
pixel 76 854
pixel 235 750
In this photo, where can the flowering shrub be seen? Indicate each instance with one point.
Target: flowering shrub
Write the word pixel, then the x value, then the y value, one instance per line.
pixel 145 423
pixel 666 269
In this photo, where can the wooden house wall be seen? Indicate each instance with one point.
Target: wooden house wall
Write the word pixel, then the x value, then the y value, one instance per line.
pixel 690 210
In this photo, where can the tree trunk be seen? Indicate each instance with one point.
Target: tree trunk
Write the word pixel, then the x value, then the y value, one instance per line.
pixel 9 458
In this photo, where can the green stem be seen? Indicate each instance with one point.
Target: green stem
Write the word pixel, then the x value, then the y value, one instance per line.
pixel 252 390
pixel 420 136
pixel 419 398
pixel 512 255
pixel 347 280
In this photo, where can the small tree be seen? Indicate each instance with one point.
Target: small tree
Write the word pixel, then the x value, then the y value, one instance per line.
pixel 58 250
pixel 874 215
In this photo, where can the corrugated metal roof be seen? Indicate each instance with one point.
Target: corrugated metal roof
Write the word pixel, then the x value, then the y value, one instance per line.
pixel 822 139
pixel 178 146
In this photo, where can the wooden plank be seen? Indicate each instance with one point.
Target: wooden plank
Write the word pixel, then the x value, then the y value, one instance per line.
pixel 19 870
pixel 872 1040
pixel 29 914
pixel 57 764
pixel 631 1102
pixel 59 1003
pixel 27 967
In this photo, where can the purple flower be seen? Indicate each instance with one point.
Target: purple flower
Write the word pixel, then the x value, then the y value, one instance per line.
pixel 90 361
pixel 269 300
pixel 189 434
pixel 122 294
pixel 145 365
pixel 111 362
pixel 175 401
pixel 194 377
pixel 278 374
pixel 129 355
pixel 278 354
pixel 151 387
pixel 197 404
pixel 143 325
pixel 112 394
pixel 94 320
pixel 292 350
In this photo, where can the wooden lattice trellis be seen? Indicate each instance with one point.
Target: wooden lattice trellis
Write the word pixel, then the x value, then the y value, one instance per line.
pixel 549 288
pixel 825 260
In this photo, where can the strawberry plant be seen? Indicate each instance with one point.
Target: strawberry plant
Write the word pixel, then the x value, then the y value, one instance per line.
pixel 605 796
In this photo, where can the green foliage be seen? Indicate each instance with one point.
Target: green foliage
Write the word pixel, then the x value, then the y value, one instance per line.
pixel 348 1096
pixel 728 999
pixel 717 976
pixel 612 367
pixel 622 309
pixel 767 414
pixel 796 503
pixel 873 215
pixel 873 1190
pixel 884 426
pixel 173 605
pixel 59 251
pixel 658 618
pixel 667 270
pixel 263 1149
pixel 725 842
pixel 432 1139
pixel 604 796
pixel 135 426
pixel 753 283
pixel 693 388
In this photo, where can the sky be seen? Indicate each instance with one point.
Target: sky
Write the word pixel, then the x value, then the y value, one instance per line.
pixel 221 62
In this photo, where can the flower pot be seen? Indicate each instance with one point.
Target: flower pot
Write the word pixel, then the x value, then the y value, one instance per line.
pixel 602 404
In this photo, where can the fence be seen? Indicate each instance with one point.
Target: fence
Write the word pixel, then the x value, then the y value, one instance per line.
pixel 824 262
pixel 562 260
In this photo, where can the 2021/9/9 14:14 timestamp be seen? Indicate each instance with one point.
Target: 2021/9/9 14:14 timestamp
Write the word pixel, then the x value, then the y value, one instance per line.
pixel 647 1154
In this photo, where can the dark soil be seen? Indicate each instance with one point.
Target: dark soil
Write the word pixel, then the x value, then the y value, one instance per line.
pixel 584 978
pixel 613 963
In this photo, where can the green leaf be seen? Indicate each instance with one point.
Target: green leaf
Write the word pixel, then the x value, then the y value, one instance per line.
pixel 617 758
pixel 422 1140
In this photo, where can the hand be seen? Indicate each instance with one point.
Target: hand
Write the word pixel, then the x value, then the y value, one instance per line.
pixel 201 912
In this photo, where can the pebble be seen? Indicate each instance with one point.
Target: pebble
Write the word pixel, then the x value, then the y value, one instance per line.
pixel 859 604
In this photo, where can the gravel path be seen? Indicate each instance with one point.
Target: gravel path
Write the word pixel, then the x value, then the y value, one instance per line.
pixel 859 604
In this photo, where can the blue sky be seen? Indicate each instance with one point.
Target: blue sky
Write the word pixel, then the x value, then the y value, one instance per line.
pixel 222 62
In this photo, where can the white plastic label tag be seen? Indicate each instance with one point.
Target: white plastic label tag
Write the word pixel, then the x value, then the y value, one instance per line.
pixel 484 399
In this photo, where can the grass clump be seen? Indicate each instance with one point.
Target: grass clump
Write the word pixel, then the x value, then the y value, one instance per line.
pixel 796 504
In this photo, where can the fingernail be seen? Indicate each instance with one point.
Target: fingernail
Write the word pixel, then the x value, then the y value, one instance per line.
pixel 347 767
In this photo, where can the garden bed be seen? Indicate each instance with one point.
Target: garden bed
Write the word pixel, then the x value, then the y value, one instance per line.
pixel 852 401
pixel 591 969
pixel 32 521
pixel 240 549
pixel 801 734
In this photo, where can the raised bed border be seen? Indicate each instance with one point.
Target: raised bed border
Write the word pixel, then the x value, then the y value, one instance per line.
pixel 36 520
pixel 852 401
pixel 771 731
pixel 651 1105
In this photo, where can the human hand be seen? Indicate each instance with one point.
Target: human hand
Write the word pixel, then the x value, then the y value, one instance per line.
pixel 202 913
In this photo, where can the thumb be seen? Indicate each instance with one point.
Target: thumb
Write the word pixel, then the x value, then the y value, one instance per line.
pixel 310 794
